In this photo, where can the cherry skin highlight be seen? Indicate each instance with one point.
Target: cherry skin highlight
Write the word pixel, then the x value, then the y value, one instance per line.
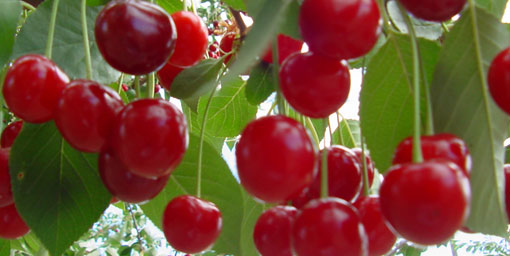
pixel 5 178
pixel 273 231
pixel 13 226
pixel 191 42
pixel 10 133
pixel 434 10
pixel 286 46
pixel 498 79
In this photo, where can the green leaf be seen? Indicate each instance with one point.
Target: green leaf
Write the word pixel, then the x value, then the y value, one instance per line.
pixel 462 106
pixel 507 155
pixel 229 111
pixel 198 80
pixel 170 6
pixel 426 29
pixel 386 103
pixel 194 126
pixel 97 2
pixel 290 22
pixel 68 42
pixel 57 189
pixel 5 247
pixel 496 7
pixel 260 84
pixel 347 134
pixel 10 11
pixel 251 212
pixel 236 4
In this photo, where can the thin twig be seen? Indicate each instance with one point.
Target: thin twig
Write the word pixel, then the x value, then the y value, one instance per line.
pixel 239 21
pixel 138 235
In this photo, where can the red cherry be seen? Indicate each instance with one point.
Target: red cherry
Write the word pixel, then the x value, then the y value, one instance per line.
pixel 227 45
pixel 434 10
pixel 32 86
pixel 313 85
pixel 85 114
pixel 12 225
pixel 380 237
pixel 273 231
pixel 426 203
pixel 213 47
pixel 114 201
pixel 329 227
pixel 125 87
pixel 135 37
pixel 10 133
pixel 344 177
pixel 191 224
pixel 5 178
pixel 506 168
pixel 499 80
pixel 167 74
pixel 125 185
pixel 340 29
pixel 150 137
pixel 157 87
pixel 439 146
pixel 191 41
pixel 286 46
pixel 370 166
pixel 275 158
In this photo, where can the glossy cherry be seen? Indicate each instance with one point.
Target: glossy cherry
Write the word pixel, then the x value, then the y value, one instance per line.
pixel 85 114
pixel 499 80
pixel 275 158
pixel 286 46
pixel 380 238
pixel 167 74
pixel 506 168
pixel 434 10
pixel 426 203
pixel 314 85
pixel 125 185
pixel 150 137
pixel 340 29
pixel 12 224
pixel 329 227
pixel 439 146
pixel 191 224
pixel 191 41
pixel 5 178
pixel 135 37
pixel 10 133
pixel 369 163
pixel 32 86
pixel 273 231
pixel 227 45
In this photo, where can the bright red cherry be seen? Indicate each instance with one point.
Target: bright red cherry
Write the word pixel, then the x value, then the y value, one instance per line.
pixel 227 45
pixel 426 203
pixel 329 227
pixel 340 29
pixel 167 74
pixel 434 10
pixel 275 158
pixel 439 146
pixel 499 80
pixel 506 168
pixel 12 224
pixel 314 85
pixel 135 37
pixel 191 224
pixel 32 87
pixel 286 46
pixel 10 133
pixel 85 114
pixel 5 178
pixel 344 177
pixel 273 231
pixel 368 162
pixel 125 185
pixel 380 237
pixel 191 41
pixel 150 137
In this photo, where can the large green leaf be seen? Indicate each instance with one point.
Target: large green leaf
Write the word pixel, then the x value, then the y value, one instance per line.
pixel 347 134
pixel 5 247
pixel 235 4
pixel 260 84
pixel 462 106
pixel 198 80
pixel 290 23
pixel 229 111
pixel 10 11
pixel 97 2
pixel 251 212
pixel 194 126
pixel 386 108
pixel 68 42
pixel 496 7
pixel 170 6
pixel 57 189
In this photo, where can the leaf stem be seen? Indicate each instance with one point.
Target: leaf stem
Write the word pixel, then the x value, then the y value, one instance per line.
pixel 324 166
pixel 151 80
pixel 137 87
pixel 348 127
pixel 51 29
pixel 85 32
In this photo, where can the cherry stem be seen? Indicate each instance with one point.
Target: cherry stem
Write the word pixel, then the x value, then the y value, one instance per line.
pixel 276 69
pixel 310 126
pixel 239 21
pixel 445 27
pixel 366 183
pixel 135 225
pixel 271 108
pixel 119 84
pixel 27 6
pixel 340 137
pixel 85 32
pixel 137 87
pixel 51 29
pixel 330 131
pixel 151 80
pixel 324 166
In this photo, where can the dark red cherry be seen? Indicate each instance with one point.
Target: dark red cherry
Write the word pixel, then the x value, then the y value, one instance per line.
pixel 426 203
pixel 286 46
pixel 273 231
pixel 340 29
pixel 314 85
pixel 368 162
pixel 150 137
pixel 329 227
pixel 167 74
pixel 344 177
pixel 499 80
pixel 125 185
pixel 5 178
pixel 506 168
pixel 275 158
pixel 135 37
pixel 32 87
pixel 10 133
pixel 191 224
pixel 380 238
pixel 12 224
pixel 439 146
pixel 85 114
pixel 191 41
pixel 227 45
pixel 434 10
